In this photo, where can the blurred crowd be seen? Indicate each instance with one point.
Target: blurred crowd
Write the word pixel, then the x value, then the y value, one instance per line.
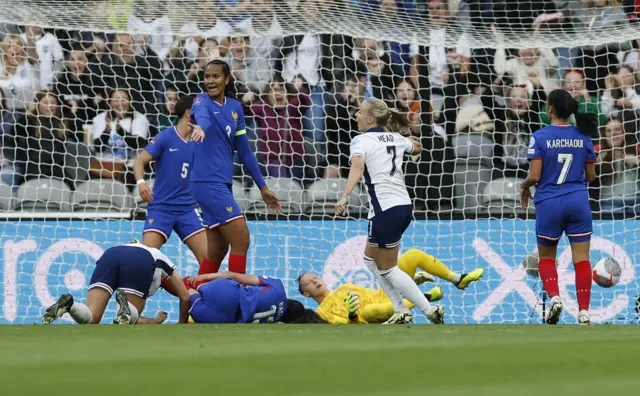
pixel 103 96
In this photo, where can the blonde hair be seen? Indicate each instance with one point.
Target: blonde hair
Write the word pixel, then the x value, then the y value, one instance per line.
pixel 390 119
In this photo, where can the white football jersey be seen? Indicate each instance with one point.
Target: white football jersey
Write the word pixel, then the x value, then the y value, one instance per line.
pixel 383 154
pixel 164 266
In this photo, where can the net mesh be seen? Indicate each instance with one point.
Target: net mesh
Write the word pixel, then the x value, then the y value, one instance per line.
pixel 85 85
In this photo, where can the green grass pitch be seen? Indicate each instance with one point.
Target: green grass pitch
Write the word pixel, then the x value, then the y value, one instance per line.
pixel 310 360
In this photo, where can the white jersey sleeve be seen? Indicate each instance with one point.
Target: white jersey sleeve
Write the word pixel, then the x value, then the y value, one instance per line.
pixel 383 153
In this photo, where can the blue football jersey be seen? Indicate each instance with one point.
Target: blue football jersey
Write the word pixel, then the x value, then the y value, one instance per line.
pixel 265 303
pixel 564 151
pixel 174 163
pixel 221 123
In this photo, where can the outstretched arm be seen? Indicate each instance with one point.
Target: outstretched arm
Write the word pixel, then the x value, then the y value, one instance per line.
pixel 248 159
pixel 249 280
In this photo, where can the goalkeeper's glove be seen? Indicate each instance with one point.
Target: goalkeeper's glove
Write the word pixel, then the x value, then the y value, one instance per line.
pixel 353 305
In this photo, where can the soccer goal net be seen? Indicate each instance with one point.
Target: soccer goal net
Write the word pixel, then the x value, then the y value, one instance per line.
pixel 85 85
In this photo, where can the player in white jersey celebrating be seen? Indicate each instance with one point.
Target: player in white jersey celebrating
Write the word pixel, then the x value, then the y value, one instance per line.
pixel 377 155
pixel 135 271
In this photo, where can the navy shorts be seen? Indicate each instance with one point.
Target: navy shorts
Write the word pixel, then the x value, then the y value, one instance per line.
pixel 386 228
pixel 569 213
pixel 216 202
pixel 217 301
pixel 161 220
pixel 126 268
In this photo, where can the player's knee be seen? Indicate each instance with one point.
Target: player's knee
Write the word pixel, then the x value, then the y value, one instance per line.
pixel 241 242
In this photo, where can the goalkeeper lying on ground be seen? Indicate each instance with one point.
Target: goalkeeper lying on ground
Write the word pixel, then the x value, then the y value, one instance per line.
pixel 355 304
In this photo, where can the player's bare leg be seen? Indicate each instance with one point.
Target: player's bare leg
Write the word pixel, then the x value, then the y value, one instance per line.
pixel 580 254
pixel 153 239
pixel 217 248
pixel 236 233
pixel 386 260
pixel 90 312
pixel 197 243
pixel 549 275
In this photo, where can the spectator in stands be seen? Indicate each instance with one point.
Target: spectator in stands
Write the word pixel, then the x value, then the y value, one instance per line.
pixel 45 52
pixel 10 172
pixel 341 123
pixel 192 79
pixel 117 135
pixel 151 29
pixel 98 63
pixel 574 84
pixel 280 139
pixel 375 64
pixel 40 139
pixel 599 60
pixel 203 27
pixel 618 165
pixel 538 65
pixel 513 126
pixel 622 92
pixel 407 101
pixel 18 78
pixel 77 90
pixel 134 73
pixel 167 117
pixel 251 72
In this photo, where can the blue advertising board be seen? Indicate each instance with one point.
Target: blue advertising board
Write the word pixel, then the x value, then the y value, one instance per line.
pixel 40 260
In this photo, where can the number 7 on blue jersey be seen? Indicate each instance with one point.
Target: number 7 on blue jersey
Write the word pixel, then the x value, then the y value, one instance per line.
pixel 565 160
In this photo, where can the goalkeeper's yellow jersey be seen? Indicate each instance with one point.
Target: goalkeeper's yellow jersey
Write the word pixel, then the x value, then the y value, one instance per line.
pixel 334 309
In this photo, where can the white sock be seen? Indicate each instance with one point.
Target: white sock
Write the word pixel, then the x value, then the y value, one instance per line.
pixel 389 290
pixel 134 314
pixel 81 313
pixel 407 288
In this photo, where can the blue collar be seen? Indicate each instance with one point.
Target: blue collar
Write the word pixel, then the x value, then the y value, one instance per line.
pixel 374 130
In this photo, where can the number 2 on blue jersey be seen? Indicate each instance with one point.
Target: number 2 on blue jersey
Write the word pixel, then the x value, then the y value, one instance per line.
pixel 565 160
pixel 228 128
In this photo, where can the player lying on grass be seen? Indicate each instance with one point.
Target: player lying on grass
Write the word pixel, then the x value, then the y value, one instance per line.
pixel 135 271
pixel 228 297
pixel 355 304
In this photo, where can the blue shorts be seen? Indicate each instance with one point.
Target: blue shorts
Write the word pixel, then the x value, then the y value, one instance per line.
pixel 162 220
pixel 569 213
pixel 217 203
pixel 386 228
pixel 217 302
pixel 126 268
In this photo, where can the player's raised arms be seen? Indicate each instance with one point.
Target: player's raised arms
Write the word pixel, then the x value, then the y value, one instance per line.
pixel 562 163
pixel 219 130
pixel 135 272
pixel 377 156
pixel 171 205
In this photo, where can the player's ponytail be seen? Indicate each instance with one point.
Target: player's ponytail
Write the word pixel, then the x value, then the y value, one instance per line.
pixel 229 89
pixel 390 119
pixel 566 106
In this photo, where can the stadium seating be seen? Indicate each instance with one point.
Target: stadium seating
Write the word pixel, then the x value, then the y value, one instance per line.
pixel 239 192
pixel 473 168
pixel 102 195
pixel 7 201
pixel 290 192
pixel 140 203
pixel 502 197
pixel 44 195
pixel 324 194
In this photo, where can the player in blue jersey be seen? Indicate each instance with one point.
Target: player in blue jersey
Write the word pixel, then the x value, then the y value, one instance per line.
pixel 228 297
pixel 562 163
pixel 171 206
pixel 135 271
pixel 218 127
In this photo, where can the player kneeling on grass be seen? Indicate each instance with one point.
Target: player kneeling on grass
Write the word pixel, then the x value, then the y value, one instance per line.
pixel 229 297
pixel 355 304
pixel 135 271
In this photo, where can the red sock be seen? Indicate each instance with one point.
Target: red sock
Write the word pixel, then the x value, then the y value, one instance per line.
pixel 583 284
pixel 549 276
pixel 167 286
pixel 207 267
pixel 237 263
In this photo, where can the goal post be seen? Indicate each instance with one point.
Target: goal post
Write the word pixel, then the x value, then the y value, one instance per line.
pixel 85 86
